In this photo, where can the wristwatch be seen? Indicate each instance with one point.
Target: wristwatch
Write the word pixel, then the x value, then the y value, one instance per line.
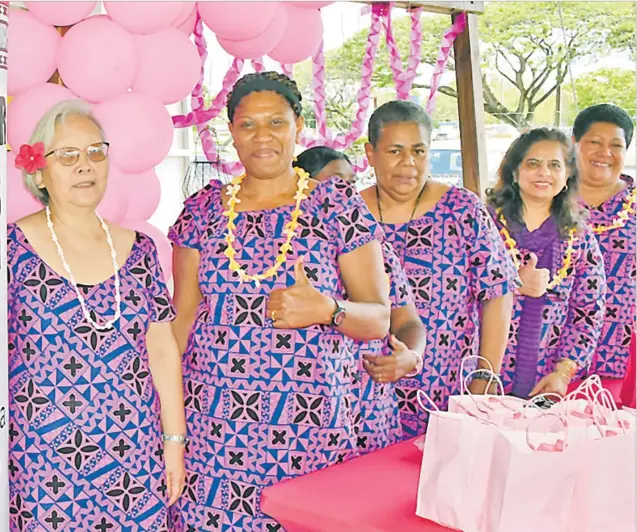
pixel 416 371
pixel 339 314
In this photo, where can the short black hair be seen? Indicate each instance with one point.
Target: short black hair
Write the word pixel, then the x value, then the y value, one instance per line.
pixel 603 112
pixel 265 81
pixel 396 111
pixel 313 160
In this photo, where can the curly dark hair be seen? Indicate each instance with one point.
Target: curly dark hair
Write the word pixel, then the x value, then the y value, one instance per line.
pixel 313 160
pixel 603 112
pixel 265 81
pixel 506 194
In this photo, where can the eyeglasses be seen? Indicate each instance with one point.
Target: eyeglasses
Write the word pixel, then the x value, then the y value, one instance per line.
pixel 96 153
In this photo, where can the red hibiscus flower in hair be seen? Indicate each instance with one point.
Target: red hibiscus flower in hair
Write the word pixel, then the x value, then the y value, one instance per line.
pixel 31 158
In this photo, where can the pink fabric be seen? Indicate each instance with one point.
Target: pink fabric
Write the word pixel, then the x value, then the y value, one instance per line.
pixel 374 493
pixel 627 394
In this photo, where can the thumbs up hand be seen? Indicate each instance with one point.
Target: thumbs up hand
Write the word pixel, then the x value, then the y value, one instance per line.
pixel 300 305
pixel 534 281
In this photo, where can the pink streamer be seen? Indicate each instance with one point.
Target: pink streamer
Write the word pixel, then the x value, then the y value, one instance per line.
pixel 448 38
pixel 258 65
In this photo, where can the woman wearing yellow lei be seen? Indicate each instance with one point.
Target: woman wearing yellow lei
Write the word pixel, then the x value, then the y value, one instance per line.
pixel 558 311
pixel 602 134
pixel 261 270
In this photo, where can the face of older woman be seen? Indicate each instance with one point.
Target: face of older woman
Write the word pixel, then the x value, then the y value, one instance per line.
pixel 542 174
pixel 76 169
pixel 601 152
pixel 400 159
pixel 265 131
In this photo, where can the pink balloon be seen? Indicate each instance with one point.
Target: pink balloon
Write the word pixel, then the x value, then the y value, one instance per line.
pixel 164 248
pixel 169 65
pixel 310 4
pixel 187 9
pixel 98 59
pixel 61 13
pixel 188 25
pixel 139 129
pixel 33 47
pixel 26 110
pixel 115 202
pixel 237 21
pixel 20 202
pixel 144 17
pixel 302 36
pixel 144 193
pixel 263 43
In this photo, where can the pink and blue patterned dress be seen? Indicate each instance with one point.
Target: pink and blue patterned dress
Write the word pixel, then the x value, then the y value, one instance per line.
pixel 564 323
pixel 454 259
pixel 377 417
pixel 619 249
pixel 85 449
pixel 264 404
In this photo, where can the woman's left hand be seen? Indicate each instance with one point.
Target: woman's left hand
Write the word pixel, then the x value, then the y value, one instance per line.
pixel 299 305
pixel 554 382
pixel 391 368
pixel 175 470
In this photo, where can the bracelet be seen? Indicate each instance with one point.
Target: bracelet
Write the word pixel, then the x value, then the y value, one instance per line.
pixel 419 364
pixel 182 440
pixel 484 375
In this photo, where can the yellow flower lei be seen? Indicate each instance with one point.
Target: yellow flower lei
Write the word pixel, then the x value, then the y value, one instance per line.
pixel 511 246
pixel 622 217
pixel 290 228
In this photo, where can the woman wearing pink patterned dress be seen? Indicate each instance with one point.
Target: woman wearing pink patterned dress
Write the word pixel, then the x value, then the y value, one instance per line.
pixel 602 134
pixel 262 267
pixel 558 311
pixel 384 361
pixel 459 271
pixel 94 368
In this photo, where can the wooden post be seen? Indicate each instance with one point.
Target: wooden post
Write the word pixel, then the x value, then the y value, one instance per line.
pixel 471 107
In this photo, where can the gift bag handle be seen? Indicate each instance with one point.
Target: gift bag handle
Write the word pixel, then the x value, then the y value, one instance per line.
pixel 419 395
pixel 559 446
pixel 584 389
pixel 463 382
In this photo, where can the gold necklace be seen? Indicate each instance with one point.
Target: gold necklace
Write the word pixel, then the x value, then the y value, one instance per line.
pixel 511 245
pixel 289 231
pixel 628 208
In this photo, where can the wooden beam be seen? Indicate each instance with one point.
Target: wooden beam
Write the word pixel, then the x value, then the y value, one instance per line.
pixel 442 6
pixel 471 107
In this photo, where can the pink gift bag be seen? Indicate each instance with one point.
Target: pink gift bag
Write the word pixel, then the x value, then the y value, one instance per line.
pixel 532 480
pixel 455 467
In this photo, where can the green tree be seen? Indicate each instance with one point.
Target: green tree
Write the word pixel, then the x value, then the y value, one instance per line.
pixel 529 44
pixel 607 85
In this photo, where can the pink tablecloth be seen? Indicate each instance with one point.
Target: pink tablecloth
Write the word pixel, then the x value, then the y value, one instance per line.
pixel 374 493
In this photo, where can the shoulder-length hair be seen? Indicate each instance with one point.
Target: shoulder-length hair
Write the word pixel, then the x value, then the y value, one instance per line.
pixel 506 196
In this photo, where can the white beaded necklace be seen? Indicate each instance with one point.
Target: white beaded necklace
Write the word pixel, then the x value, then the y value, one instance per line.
pixel 118 296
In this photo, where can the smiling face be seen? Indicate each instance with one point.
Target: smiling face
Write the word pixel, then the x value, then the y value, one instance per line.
pixel 400 158
pixel 265 131
pixel 81 184
pixel 600 154
pixel 542 174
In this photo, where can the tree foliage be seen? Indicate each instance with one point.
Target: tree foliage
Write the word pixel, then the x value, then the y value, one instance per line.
pixel 529 44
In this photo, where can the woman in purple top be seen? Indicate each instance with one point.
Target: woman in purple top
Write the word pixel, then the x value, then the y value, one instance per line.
pixel 558 311
pixel 602 134
pixel 262 267
pixel 457 266
pixel 396 356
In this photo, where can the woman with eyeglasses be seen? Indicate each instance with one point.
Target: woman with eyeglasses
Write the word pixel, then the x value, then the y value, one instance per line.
pixel 94 368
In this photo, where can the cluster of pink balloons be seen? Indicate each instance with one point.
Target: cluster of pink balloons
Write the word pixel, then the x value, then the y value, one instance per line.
pixel 288 32
pixel 129 64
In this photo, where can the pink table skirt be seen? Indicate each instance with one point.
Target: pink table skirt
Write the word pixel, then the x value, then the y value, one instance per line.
pixel 373 493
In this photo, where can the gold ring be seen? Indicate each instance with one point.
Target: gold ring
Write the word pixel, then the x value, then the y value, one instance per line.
pixel 274 315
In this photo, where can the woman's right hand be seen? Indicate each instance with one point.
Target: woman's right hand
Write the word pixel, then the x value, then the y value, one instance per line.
pixel 534 281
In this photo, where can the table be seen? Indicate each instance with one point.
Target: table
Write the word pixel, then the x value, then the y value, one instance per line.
pixel 372 493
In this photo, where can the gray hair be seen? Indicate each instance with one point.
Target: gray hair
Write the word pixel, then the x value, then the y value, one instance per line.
pixel 396 111
pixel 45 131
